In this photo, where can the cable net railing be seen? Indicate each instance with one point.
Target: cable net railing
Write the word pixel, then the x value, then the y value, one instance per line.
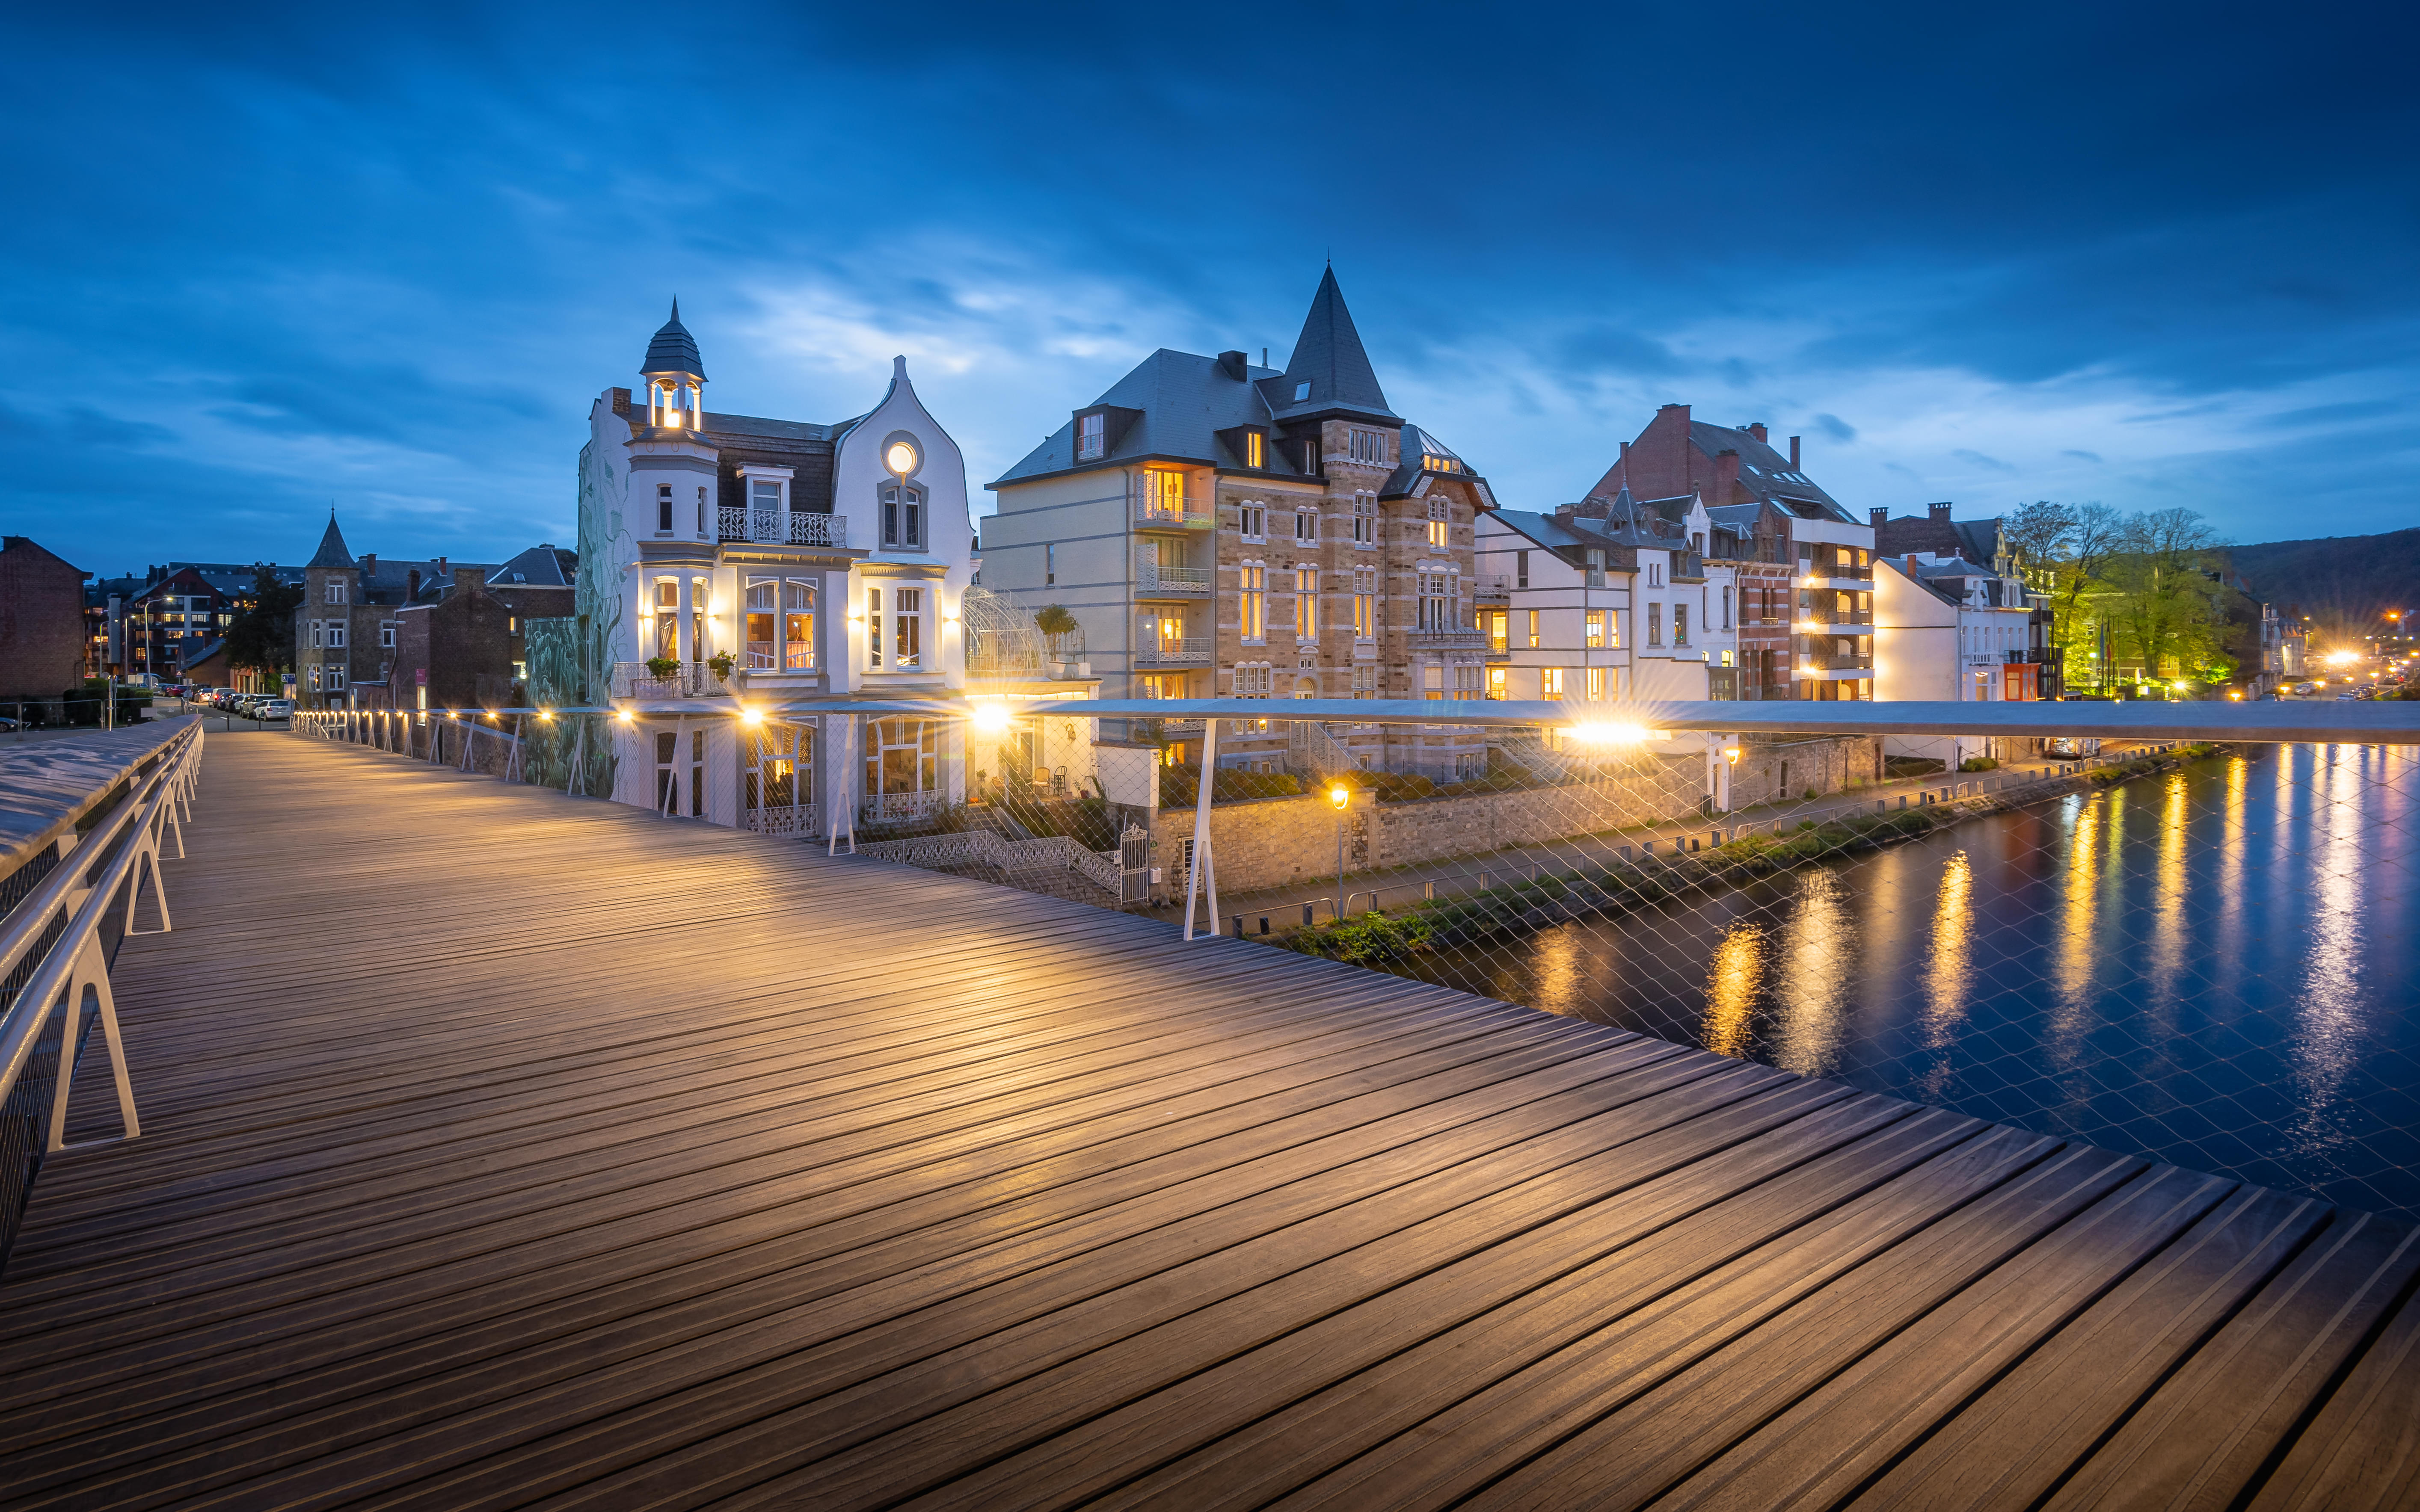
pixel 2199 950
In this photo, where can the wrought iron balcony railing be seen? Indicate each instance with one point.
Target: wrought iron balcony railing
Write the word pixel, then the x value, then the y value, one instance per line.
pixel 773 527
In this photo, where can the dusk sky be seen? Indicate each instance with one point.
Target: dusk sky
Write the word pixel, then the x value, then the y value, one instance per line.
pixel 385 258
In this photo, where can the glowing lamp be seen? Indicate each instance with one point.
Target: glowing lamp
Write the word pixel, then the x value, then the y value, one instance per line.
pixel 1339 795
pixel 624 716
pixel 1731 754
pixel 752 716
pixel 900 458
pixel 546 714
pixel 989 718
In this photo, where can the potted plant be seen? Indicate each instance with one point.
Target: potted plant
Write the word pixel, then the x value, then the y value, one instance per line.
pixel 720 663
pixel 662 666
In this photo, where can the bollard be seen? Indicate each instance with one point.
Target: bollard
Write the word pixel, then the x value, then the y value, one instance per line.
pixel 1307 914
pixel 1239 926
pixel 1429 894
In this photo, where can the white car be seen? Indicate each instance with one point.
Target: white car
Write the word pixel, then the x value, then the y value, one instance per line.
pixel 274 709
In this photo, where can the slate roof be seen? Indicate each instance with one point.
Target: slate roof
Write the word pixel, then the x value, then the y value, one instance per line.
pixel 1977 540
pixel 784 430
pixel 1417 446
pixel 672 349
pixel 332 552
pixel 540 567
pixel 1328 372
pixel 1767 473
pixel 1183 400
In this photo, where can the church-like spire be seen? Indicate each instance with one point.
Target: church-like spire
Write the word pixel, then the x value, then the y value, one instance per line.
pixel 1329 369
pixel 332 552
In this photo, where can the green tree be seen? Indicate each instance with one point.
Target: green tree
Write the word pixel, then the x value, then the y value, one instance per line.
pixel 262 634
pixel 2166 607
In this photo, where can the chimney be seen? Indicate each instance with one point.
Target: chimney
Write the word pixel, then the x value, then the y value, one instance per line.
pixel 412 588
pixel 1755 429
pixel 468 580
pixel 1940 512
pixel 1232 364
pixel 441 566
pixel 369 569
pixel 1793 453
pixel 1879 515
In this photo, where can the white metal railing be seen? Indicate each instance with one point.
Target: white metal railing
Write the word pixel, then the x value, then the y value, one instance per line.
pixel 1172 651
pixel 887 808
pixel 57 928
pixel 782 820
pixel 1152 578
pixel 774 527
pixel 687 679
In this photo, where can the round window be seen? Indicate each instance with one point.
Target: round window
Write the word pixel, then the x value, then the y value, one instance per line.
pixel 900 458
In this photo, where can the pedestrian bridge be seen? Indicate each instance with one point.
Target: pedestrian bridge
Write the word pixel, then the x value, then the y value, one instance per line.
pixel 502 1148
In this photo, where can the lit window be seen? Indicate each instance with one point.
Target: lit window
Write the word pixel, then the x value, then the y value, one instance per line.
pixel 1595 628
pixel 1305 602
pixel 1439 526
pixel 1365 603
pixel 1596 681
pixel 903 516
pixel 874 628
pixel 1533 629
pixel 1550 682
pixel 1251 604
pixel 1254 444
pixel 798 624
pixel 1092 437
pixel 1499 683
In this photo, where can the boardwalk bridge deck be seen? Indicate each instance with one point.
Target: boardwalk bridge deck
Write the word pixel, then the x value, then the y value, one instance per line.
pixel 506 1150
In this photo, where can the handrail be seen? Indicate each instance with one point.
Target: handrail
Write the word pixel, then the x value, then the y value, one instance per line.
pixel 74 963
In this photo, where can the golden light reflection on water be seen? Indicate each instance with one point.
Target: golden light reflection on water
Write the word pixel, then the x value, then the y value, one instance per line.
pixel 2167 954
pixel 2078 896
pixel 2328 1007
pixel 1953 947
pixel 2232 859
pixel 1731 985
pixel 1820 949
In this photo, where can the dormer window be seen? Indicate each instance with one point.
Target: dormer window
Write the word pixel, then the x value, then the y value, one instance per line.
pixel 1366 445
pixel 1255 449
pixel 765 493
pixel 1092 437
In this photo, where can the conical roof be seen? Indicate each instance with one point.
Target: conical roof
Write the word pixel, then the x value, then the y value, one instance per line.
pixel 672 350
pixel 1329 369
pixel 332 552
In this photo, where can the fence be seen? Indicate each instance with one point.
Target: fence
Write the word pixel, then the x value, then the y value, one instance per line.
pixel 83 856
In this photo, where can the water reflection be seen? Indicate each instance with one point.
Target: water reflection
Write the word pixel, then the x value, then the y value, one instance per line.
pixel 2214 968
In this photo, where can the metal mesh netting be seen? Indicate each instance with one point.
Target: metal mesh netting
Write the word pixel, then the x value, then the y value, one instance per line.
pixel 2199 953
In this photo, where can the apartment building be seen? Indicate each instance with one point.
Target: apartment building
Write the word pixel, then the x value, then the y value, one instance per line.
pixel 1956 631
pixel 1801 567
pixel 1220 527
pixel 1973 558
pixel 344 628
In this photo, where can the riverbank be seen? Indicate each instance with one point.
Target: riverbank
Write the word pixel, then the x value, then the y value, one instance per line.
pixel 1598 890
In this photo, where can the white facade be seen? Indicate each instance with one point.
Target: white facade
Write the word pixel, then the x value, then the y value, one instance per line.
pixel 1945 638
pixel 733 567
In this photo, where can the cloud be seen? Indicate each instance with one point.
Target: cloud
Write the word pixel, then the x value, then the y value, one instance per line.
pixel 2081 455
pixel 1834 426
pixel 1975 458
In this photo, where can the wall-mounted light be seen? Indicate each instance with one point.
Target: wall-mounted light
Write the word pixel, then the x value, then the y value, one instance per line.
pixel 1340 796
pixel 751 715
pixel 546 714
pixel 900 458
pixel 624 716
pixel 1731 754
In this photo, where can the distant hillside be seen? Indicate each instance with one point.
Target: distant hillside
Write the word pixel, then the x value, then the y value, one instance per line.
pixel 2345 581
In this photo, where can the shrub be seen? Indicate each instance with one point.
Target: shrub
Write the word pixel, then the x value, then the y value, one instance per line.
pixel 1979 763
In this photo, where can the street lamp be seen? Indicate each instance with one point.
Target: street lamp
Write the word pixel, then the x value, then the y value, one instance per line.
pixel 1340 798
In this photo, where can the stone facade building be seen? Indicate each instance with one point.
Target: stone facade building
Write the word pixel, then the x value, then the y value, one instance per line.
pixel 41 622
pixel 1220 527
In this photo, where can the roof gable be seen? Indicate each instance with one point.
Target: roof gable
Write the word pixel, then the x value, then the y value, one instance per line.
pixel 1329 369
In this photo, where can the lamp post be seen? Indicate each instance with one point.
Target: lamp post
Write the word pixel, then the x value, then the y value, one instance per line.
pixel 1340 798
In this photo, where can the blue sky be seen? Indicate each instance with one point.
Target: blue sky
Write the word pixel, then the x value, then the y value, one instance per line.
pixel 261 260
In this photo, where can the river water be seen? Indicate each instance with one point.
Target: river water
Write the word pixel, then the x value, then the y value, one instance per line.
pixel 2214 968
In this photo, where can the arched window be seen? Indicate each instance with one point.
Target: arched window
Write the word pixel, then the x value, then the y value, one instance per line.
pixel 903 516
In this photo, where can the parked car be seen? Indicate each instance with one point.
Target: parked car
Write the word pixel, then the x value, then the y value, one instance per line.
pixel 2305 690
pixel 276 708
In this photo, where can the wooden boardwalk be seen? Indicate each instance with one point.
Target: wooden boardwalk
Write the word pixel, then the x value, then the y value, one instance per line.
pixel 504 1149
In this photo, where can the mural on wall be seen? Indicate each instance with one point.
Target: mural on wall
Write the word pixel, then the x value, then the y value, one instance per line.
pixel 558 679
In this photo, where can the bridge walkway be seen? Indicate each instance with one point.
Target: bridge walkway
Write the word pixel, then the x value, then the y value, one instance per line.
pixel 505 1150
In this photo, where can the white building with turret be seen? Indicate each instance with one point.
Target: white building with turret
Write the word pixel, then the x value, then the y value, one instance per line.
pixel 742 579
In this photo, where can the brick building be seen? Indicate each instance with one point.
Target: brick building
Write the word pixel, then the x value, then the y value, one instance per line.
pixel 465 642
pixel 41 622
pixel 1224 529
pixel 345 628
pixel 1773 524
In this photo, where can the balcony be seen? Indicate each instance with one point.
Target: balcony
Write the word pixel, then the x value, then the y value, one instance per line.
pixel 1153 581
pixel 1812 573
pixel 2038 656
pixel 1175 651
pixel 1835 664
pixel 686 680
pixel 774 527
pixel 1836 622
pixel 1450 639
pixel 1159 508
pixel 1491 586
